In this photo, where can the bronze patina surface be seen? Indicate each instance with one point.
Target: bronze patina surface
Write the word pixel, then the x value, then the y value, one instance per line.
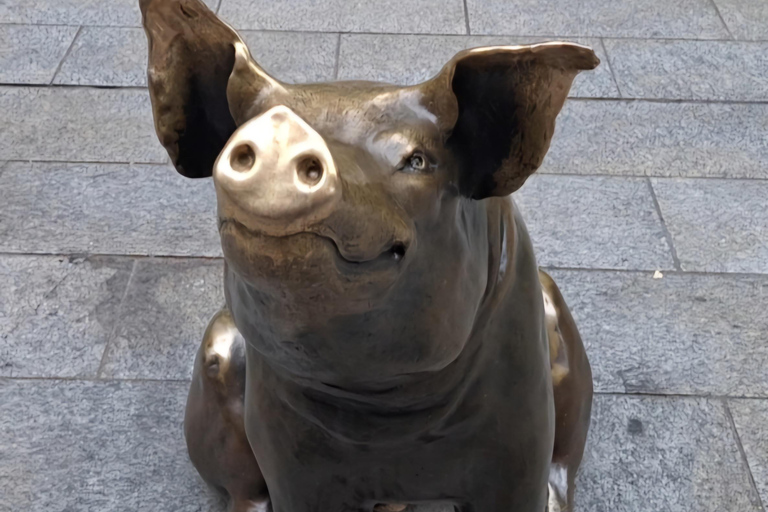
pixel 387 338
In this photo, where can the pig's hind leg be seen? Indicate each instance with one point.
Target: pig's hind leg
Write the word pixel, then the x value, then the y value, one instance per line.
pixel 214 425
pixel 572 385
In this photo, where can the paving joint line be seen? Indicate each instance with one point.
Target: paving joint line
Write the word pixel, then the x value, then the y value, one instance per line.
pixel 337 57
pixel 172 257
pixel 118 321
pixel 664 227
pixel 690 101
pixel 743 453
pixel 546 172
pixel 545 35
pixel 610 67
pixel 94 380
pixel 66 54
pixel 466 18
pixel 722 20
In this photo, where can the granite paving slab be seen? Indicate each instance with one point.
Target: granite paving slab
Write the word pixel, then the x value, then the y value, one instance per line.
pixel 78 124
pixel 717 225
pixel 593 222
pixel 57 313
pixel 690 70
pixel 30 54
pixel 690 19
pixel 87 446
pixel 657 453
pixel 682 334
pixel 391 16
pixel 75 12
pixel 164 316
pixel 648 138
pixel 745 19
pixel 410 59
pixel 106 209
pixel 398 59
pixel 751 420
pixel 108 56
pixel 294 57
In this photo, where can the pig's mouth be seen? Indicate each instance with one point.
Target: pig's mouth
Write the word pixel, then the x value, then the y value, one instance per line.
pixel 392 255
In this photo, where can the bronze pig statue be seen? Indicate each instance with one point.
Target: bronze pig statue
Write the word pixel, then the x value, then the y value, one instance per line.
pixel 388 339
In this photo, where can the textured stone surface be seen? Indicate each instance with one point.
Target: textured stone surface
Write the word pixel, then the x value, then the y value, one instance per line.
pixel 75 12
pixel 294 57
pixel 660 139
pixel 746 19
pixel 597 83
pixel 689 19
pixel 411 59
pixel 416 16
pixel 78 124
pixel 751 420
pixel 86 446
pixel 396 59
pixel 106 56
pixel 165 313
pixel 670 454
pixel 717 225
pixel 695 70
pixel 30 54
pixel 118 56
pixel 682 334
pixel 595 222
pixel 57 313
pixel 106 209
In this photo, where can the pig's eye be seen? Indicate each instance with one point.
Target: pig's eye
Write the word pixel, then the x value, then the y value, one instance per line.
pixel 416 163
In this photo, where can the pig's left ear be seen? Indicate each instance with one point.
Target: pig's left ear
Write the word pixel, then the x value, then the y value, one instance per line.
pixel 506 102
pixel 191 56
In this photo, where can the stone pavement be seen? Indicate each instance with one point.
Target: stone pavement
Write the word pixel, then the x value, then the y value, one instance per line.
pixel 110 264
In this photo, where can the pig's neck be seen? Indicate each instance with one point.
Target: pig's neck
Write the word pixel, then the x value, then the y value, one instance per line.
pixel 421 404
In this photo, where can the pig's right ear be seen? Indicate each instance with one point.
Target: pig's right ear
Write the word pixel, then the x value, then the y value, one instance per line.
pixel 191 56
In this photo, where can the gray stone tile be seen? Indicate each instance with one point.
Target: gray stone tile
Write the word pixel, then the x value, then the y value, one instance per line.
pixel 691 19
pixel 746 19
pixel 412 59
pixel 660 139
pixel 392 16
pixel 75 12
pixel 690 70
pixel 593 222
pixel 106 56
pixel 653 453
pixel 751 420
pixel 118 56
pixel 30 54
pixel 681 334
pixel 588 84
pixel 85 446
pixel 56 314
pixel 717 225
pixel 165 313
pixel 294 57
pixel 106 209
pixel 78 124
pixel 399 59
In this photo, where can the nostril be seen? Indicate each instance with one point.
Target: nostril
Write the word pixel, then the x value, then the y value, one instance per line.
pixel 398 251
pixel 242 158
pixel 310 170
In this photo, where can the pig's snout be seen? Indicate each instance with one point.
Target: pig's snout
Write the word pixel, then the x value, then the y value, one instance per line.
pixel 276 175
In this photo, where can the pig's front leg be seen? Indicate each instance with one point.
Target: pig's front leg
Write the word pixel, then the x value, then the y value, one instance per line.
pixel 214 426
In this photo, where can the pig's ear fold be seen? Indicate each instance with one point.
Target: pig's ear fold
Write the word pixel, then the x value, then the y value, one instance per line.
pixel 191 56
pixel 506 102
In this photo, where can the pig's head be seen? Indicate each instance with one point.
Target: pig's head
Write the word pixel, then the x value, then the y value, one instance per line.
pixel 354 216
